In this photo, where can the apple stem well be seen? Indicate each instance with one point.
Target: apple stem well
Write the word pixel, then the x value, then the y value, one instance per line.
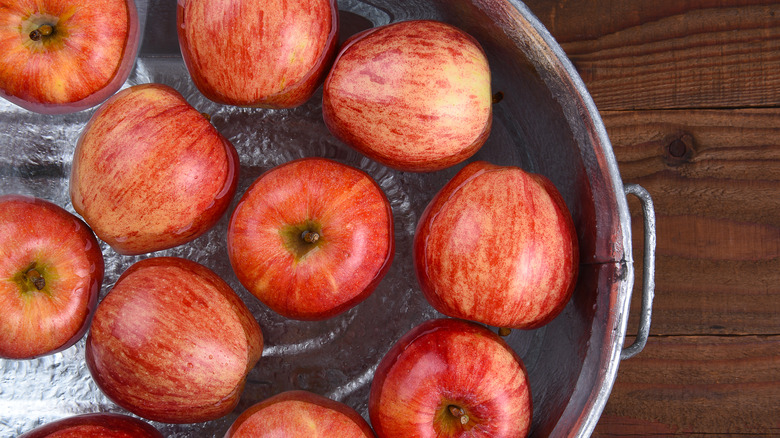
pixel 43 30
pixel 300 239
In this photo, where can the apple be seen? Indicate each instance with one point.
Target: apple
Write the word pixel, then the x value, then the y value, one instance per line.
pixel 413 95
pixel 96 425
pixel 450 378
pixel 311 238
pixel 299 414
pixel 172 342
pixel 150 172
pixel 266 53
pixel 497 245
pixel 62 56
pixel 51 269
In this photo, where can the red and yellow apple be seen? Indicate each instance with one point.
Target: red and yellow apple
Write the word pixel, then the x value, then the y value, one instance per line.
pixel 51 270
pixel 450 378
pixel 299 414
pixel 311 238
pixel 97 425
pixel 172 342
pixel 413 95
pixel 150 172
pixel 61 56
pixel 267 53
pixel 497 245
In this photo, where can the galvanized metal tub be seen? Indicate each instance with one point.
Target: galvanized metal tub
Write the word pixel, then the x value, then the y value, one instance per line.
pixel 545 123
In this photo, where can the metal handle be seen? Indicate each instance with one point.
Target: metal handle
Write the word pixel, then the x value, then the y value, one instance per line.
pixel 648 273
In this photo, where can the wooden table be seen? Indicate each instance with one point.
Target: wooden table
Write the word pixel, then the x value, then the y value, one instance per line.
pixel 689 91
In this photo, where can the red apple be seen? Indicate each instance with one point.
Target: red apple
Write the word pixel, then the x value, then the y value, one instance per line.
pixel 63 56
pixel 497 245
pixel 172 342
pixel 311 238
pixel 51 270
pixel 301 414
pixel 450 378
pixel 150 172
pixel 413 95
pixel 266 53
pixel 97 425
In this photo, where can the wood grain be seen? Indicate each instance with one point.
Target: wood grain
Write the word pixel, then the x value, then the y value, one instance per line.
pixel 718 214
pixel 689 91
pixel 670 53
pixel 686 385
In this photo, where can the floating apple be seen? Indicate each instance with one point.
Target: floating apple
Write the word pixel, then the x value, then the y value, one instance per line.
pixel 301 414
pixel 497 245
pixel 61 56
pixel 450 378
pixel 268 53
pixel 97 425
pixel 150 172
pixel 172 342
pixel 311 238
pixel 51 270
pixel 413 95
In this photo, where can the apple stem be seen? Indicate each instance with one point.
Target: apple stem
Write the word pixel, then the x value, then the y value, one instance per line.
pixel 458 412
pixel 310 236
pixel 504 331
pixel 42 31
pixel 498 97
pixel 36 278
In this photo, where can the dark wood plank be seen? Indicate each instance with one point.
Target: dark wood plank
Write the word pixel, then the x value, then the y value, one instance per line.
pixel 697 386
pixel 670 53
pixel 718 215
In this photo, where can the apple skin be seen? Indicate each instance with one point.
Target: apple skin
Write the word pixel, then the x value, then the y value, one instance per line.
pixel 97 425
pixel 38 235
pixel 150 172
pixel 86 59
pixel 299 414
pixel 497 245
pixel 268 53
pixel 413 95
pixel 172 342
pixel 443 364
pixel 312 281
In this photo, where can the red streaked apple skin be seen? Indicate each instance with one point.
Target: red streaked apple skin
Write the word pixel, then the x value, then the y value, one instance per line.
pixel 38 234
pixel 356 247
pixel 299 414
pixel 95 425
pixel 413 95
pixel 150 172
pixel 87 59
pixel 497 245
pixel 268 53
pixel 445 363
pixel 172 342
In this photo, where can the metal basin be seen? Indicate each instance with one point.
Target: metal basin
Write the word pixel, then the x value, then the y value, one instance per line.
pixel 546 123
